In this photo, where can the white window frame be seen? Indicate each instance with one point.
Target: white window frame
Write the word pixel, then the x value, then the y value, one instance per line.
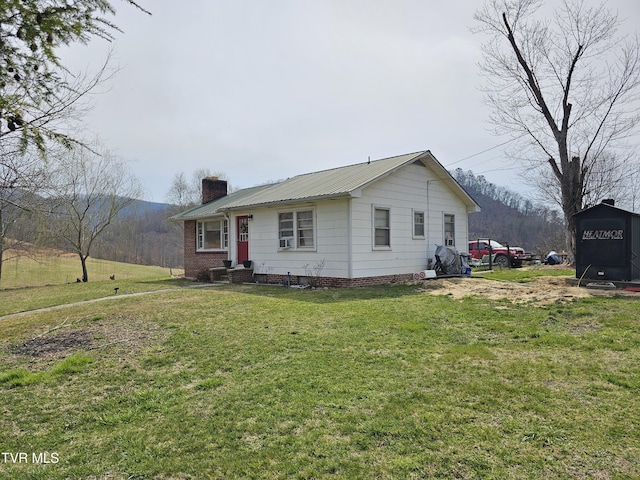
pixel 294 233
pixel 302 226
pixel 451 240
pixel 374 227
pixel 286 234
pixel 414 224
pixel 200 235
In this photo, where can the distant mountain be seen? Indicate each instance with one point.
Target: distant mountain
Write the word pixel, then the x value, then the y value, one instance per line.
pixel 142 207
pixel 509 218
pixel 143 235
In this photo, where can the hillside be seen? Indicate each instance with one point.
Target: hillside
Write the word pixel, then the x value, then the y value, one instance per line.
pixel 49 266
pixel 142 208
pixel 142 235
pixel 509 218
pixel 506 217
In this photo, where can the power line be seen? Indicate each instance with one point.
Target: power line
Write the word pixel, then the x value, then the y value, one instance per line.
pixel 515 167
pixel 488 149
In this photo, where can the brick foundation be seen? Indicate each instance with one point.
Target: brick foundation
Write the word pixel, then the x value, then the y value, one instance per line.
pixel 335 282
pixel 197 262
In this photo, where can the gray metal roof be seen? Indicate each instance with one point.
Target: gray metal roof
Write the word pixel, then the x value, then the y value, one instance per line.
pixel 216 207
pixel 333 183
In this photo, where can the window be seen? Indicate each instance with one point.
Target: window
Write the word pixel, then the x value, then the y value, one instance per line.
pixel 243 229
pixel 418 224
pixel 381 227
pixel 296 229
pixel 449 230
pixel 212 235
pixel 305 229
pixel 285 229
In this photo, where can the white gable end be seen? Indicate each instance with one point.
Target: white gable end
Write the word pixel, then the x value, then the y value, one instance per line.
pixel 412 189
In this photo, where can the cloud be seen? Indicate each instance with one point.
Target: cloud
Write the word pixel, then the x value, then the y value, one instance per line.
pixel 266 90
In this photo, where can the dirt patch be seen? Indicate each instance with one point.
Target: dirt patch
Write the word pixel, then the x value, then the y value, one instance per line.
pixel 88 333
pixel 53 344
pixel 541 291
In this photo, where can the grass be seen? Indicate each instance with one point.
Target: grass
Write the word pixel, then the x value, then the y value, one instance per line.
pixel 264 382
pixel 524 275
pixel 44 268
pixel 22 377
pixel 47 280
pixel 26 299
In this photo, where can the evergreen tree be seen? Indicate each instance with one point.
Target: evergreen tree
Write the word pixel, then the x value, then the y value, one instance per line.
pixel 34 86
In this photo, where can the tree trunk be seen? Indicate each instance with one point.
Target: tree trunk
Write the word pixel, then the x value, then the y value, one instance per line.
pixel 572 195
pixel 85 273
pixel 2 240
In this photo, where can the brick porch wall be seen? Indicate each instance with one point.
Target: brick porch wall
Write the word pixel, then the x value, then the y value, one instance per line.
pixel 240 275
pixel 195 262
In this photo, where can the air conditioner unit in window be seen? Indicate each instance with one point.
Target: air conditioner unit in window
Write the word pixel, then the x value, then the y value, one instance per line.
pixel 448 242
pixel 286 243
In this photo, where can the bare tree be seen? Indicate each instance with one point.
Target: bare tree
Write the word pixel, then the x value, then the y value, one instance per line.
pixel 567 87
pixel 187 192
pixel 92 189
pixel 20 177
pixel 40 100
pixel 613 177
pixel 179 193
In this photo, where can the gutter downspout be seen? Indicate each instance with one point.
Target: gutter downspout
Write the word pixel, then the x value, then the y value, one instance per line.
pixel 349 239
pixel 228 220
pixel 428 224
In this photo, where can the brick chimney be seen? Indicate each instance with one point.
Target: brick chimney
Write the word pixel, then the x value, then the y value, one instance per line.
pixel 213 188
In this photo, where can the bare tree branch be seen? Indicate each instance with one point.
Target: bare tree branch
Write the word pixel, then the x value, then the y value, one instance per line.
pixel 92 189
pixel 572 85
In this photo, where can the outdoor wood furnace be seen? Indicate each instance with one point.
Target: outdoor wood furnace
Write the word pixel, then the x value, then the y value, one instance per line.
pixel 607 243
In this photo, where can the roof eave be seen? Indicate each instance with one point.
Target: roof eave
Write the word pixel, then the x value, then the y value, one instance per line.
pixel 293 201
pixel 185 216
pixel 472 205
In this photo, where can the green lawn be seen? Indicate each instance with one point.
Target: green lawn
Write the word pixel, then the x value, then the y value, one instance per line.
pixel 48 269
pixel 25 299
pixel 265 382
pixel 524 275
pixel 49 280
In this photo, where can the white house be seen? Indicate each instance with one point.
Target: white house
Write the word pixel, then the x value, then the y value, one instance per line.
pixel 373 222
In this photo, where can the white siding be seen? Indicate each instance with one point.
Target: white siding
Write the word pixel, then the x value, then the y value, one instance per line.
pixel 411 188
pixel 331 244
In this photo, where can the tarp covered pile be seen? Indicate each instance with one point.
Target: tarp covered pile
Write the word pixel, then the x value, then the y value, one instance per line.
pixel 451 261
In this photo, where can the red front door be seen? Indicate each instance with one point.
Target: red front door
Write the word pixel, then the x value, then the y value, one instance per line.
pixel 242 234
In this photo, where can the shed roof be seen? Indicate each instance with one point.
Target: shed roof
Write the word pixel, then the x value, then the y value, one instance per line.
pixel 606 206
pixel 333 183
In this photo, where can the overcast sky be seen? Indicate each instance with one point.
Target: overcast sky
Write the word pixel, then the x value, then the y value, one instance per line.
pixel 264 90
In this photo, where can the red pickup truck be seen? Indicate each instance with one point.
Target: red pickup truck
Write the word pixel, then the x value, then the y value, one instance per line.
pixel 479 248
